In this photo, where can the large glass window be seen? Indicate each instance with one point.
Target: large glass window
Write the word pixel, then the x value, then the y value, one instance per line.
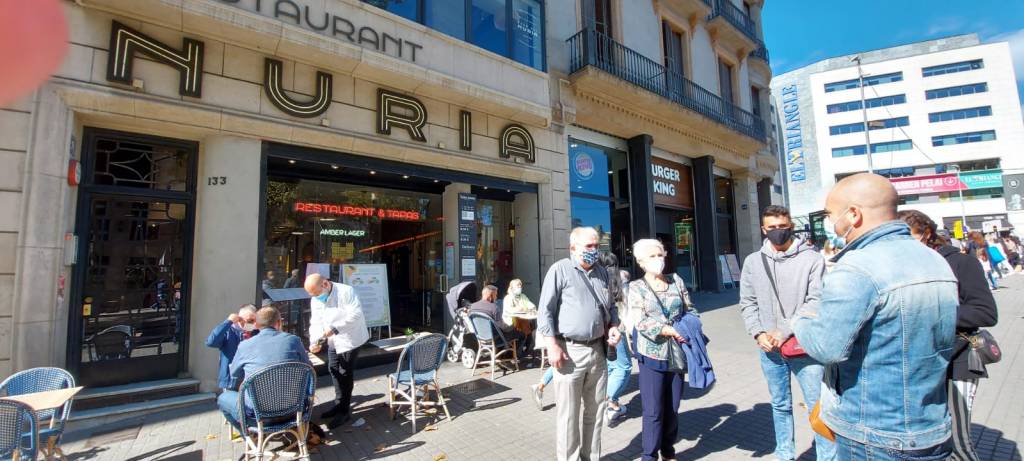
pixel 868 81
pixel 599 183
pixel 940 93
pixel 870 103
pixel 952 68
pixel 489 25
pixel 960 114
pixel 873 125
pixel 963 138
pixel 527 36
pixel 724 211
pixel 408 9
pixel 448 16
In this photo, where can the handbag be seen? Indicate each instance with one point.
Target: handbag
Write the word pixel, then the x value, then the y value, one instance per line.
pixel 676 357
pixel 790 348
pixel 983 350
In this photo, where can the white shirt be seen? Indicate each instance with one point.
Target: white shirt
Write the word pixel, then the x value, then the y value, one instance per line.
pixel 343 312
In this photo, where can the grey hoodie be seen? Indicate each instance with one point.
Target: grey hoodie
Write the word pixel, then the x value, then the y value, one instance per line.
pixel 797 272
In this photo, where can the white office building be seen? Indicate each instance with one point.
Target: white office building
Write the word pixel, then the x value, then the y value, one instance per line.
pixel 943 119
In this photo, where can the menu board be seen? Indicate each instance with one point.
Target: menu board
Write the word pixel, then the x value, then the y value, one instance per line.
pixel 370 282
pixel 467 236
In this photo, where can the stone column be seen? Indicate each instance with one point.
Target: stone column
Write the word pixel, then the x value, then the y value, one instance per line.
pixel 707 224
pixel 748 227
pixel 225 267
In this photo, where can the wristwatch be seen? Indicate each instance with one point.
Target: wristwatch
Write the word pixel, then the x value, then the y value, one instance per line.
pixel 334 330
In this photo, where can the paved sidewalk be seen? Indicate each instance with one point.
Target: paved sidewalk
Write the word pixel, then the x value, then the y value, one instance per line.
pixel 498 421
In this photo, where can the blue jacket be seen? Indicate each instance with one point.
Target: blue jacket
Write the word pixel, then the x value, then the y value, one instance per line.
pixel 884 330
pixel 699 372
pixel 267 348
pixel 225 337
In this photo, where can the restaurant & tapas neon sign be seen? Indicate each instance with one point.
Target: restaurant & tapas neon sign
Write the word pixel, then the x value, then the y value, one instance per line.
pixel 356 211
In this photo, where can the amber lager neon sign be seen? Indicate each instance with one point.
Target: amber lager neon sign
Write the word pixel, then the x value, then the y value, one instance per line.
pixel 356 211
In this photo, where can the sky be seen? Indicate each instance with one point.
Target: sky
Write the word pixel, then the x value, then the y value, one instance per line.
pixel 800 32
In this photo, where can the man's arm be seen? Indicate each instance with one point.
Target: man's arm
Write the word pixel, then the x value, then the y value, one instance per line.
pixel 351 308
pixel 547 306
pixel 748 300
pixel 316 329
pixel 847 303
pixel 299 351
pixel 216 338
pixel 237 366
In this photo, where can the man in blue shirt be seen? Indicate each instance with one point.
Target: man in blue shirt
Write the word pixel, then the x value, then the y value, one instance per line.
pixel 226 337
pixel 269 347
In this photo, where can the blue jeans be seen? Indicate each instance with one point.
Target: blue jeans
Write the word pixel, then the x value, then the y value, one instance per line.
pixel 808 375
pixel 548 374
pixel 228 404
pixel 849 450
pixel 618 371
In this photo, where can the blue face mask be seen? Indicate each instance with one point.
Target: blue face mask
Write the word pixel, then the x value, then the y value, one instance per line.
pixel 322 297
pixel 589 257
pixel 838 241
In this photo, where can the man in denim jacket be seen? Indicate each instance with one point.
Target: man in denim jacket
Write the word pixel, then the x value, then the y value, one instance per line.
pixel 884 329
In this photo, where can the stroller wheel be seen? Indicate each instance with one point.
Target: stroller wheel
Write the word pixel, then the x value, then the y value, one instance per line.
pixel 452 355
pixel 468 357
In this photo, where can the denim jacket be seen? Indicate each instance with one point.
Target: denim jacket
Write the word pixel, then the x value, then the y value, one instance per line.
pixel 884 329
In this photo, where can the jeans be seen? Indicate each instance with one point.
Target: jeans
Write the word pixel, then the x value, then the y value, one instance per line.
pixel 808 375
pixel 660 393
pixel 848 450
pixel 548 375
pixel 618 371
pixel 228 404
pixel 342 367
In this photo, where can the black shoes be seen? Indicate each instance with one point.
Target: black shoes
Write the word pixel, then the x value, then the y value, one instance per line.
pixel 332 412
pixel 339 420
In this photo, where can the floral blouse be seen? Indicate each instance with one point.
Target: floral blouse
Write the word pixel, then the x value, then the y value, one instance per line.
pixel 651 318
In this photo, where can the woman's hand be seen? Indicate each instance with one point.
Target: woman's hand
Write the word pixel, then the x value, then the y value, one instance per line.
pixel 667 330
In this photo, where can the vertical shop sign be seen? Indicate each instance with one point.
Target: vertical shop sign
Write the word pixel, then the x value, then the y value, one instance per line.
pixel 467 237
pixel 1013 191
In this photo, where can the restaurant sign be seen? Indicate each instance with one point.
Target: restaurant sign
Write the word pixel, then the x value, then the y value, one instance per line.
pixel 934 184
pixel 671 183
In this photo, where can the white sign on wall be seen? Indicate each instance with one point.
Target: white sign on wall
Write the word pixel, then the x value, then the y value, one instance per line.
pixel 370 282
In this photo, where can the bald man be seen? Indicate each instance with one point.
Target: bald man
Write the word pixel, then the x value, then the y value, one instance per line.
pixel 337 317
pixel 884 329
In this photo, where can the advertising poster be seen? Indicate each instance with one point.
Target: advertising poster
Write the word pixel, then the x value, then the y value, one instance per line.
pixel 1013 191
pixel 734 267
pixel 724 265
pixel 370 282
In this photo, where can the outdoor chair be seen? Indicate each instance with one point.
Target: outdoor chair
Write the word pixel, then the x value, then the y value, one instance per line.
pixel 281 401
pixel 18 437
pixel 51 422
pixel 490 340
pixel 417 372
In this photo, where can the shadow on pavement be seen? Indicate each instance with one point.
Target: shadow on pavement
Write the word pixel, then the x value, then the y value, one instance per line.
pixel 167 453
pixel 709 301
pixel 991 445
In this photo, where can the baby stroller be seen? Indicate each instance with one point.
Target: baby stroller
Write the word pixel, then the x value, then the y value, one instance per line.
pixel 461 341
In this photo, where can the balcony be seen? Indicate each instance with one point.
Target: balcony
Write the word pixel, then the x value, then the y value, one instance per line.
pixel 760 60
pixel 761 52
pixel 743 31
pixel 591 49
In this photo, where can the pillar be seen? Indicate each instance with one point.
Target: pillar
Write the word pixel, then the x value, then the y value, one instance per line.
pixel 709 273
pixel 641 196
pixel 748 216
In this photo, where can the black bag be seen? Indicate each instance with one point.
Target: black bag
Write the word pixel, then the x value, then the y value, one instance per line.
pixel 609 351
pixel 983 350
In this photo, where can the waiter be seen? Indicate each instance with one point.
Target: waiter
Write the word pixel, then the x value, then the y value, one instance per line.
pixel 337 317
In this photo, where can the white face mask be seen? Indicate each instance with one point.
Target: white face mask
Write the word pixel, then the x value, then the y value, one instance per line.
pixel 248 327
pixel 655 265
pixel 516 291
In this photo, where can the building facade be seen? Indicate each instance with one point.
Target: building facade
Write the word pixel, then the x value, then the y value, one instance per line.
pixel 193 156
pixel 943 118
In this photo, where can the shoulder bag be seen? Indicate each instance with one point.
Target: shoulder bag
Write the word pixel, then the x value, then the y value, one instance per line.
pixel 676 358
pixel 790 348
pixel 984 350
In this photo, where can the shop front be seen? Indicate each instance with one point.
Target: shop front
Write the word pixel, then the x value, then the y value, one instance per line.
pixel 674 223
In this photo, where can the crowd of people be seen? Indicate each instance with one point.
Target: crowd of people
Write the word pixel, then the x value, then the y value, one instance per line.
pixel 883 351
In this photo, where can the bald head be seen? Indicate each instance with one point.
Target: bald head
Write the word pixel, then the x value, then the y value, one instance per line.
pixel 317 284
pixel 860 203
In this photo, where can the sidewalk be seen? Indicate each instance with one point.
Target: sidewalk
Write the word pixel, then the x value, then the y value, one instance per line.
pixel 498 421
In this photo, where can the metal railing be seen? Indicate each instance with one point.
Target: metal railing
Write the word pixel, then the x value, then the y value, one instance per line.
pixel 760 52
pixel 735 16
pixel 591 48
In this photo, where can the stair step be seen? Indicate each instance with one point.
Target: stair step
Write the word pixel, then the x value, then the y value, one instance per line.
pixel 129 409
pixel 109 396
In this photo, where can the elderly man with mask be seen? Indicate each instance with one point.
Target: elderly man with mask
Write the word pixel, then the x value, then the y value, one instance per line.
pixel 579 323
pixel 884 330
pixel 336 317
pixel 226 337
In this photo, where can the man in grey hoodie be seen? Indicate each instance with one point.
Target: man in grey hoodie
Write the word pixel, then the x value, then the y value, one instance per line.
pixel 776 281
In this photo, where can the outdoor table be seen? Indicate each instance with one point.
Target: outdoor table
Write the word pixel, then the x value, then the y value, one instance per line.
pixel 48 400
pixel 395 344
pixel 524 322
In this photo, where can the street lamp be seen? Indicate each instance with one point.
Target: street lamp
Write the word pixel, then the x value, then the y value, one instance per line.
pixel 960 192
pixel 864 113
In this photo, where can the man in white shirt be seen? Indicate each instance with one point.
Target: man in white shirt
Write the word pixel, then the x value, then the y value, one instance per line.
pixel 337 317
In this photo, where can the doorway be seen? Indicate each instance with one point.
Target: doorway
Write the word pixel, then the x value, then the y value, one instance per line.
pixel 129 306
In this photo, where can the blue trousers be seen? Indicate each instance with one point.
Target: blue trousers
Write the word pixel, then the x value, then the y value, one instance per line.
pixel 228 404
pixel 849 450
pixel 808 375
pixel 660 393
pixel 618 372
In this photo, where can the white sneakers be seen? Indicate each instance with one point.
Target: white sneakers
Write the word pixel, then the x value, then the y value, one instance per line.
pixel 611 414
pixel 538 396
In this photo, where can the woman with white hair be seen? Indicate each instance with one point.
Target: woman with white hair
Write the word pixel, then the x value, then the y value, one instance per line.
pixel 656 302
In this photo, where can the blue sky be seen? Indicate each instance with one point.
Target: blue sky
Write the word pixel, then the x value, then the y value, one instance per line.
pixel 799 32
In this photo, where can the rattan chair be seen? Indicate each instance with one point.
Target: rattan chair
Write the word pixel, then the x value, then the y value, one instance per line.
pixel 490 340
pixel 52 421
pixel 18 437
pixel 417 369
pixel 280 400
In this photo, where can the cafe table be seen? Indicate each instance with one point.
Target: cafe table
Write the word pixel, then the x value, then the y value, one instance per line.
pixel 397 343
pixel 48 400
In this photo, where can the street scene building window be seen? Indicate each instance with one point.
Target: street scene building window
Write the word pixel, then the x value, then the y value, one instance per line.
pixel 963 138
pixel 868 81
pixel 873 125
pixel 961 90
pixel 599 197
pixel 960 114
pixel 869 103
pixel 953 68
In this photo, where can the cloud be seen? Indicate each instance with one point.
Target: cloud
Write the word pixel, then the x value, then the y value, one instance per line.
pixel 1016 40
pixel 945 25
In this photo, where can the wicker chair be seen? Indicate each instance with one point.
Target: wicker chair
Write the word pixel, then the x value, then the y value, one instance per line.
pixel 490 340
pixel 52 421
pixel 417 372
pixel 17 426
pixel 281 401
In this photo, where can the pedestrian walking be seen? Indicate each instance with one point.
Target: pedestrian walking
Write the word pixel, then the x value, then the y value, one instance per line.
pixel 986 266
pixel 336 318
pixel 977 309
pixel 775 282
pixel 884 329
pixel 660 301
pixel 621 366
pixel 579 324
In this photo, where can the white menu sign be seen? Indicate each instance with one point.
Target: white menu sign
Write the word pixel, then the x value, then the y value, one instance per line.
pixel 370 282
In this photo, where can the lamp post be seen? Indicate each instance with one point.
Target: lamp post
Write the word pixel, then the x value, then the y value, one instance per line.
pixel 864 113
pixel 960 192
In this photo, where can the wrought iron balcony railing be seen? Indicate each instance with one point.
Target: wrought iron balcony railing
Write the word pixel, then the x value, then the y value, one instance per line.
pixel 735 16
pixel 760 52
pixel 591 48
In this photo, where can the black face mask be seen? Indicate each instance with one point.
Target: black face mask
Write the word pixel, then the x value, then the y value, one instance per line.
pixel 780 236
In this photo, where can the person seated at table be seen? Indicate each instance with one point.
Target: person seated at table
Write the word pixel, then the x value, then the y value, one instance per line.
pixel 486 305
pixel 516 303
pixel 270 347
pixel 226 337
